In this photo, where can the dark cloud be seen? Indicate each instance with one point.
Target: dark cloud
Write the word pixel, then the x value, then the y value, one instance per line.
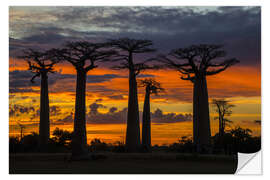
pixel 55 110
pixel 145 76
pixel 119 117
pixel 36 114
pixel 94 108
pixel 65 120
pixel 17 110
pixel 182 93
pixel 21 90
pixel 112 117
pixel 19 81
pixel 159 117
pixel 101 78
pixel 46 37
pixel 238 28
pixel 112 110
pixel 103 90
pixel 116 97
pixel 99 100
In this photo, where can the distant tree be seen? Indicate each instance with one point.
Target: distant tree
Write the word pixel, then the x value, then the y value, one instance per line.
pixel 40 64
pixel 195 63
pixel 84 56
pixel 21 126
pixel 127 48
pixel 223 108
pixel 151 87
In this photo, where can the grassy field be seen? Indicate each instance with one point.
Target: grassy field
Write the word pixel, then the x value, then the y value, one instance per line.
pixel 119 163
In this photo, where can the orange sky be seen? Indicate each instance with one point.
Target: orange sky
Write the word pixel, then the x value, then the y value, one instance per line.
pixel 240 84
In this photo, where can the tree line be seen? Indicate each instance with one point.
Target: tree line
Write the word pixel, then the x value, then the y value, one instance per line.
pixel 194 63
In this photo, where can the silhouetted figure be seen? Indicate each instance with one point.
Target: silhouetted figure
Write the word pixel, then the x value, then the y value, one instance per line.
pixel 127 48
pixel 41 63
pixel 83 56
pixel 196 62
pixel 223 108
pixel 151 87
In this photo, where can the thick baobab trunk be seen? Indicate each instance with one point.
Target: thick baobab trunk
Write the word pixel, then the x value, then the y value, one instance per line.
pixel 195 113
pixel 203 121
pixel 79 139
pixel 133 123
pixel 146 124
pixel 44 125
pixel 219 123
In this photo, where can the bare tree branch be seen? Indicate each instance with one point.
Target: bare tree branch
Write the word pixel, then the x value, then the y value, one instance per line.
pixel 225 64
pixel 33 78
pixel 132 45
pixel 39 62
pixel 80 52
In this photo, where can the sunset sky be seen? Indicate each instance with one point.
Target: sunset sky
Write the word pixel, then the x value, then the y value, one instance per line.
pixel 237 28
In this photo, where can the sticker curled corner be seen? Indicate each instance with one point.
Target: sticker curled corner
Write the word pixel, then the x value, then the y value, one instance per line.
pixel 249 164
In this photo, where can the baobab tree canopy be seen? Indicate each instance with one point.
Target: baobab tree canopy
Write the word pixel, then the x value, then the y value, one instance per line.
pixel 204 59
pixel 151 84
pixel 133 45
pixel 84 54
pixel 39 62
pixel 127 47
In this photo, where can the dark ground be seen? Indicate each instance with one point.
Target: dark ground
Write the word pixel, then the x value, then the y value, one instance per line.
pixel 122 163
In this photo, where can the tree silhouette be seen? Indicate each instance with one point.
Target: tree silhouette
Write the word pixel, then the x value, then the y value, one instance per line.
pixel 83 56
pixel 127 48
pixel 195 63
pixel 62 137
pixel 21 126
pixel 223 108
pixel 151 87
pixel 41 63
pixel 241 134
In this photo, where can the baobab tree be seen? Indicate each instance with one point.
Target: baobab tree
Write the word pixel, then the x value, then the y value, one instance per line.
pixel 224 109
pixel 84 56
pixel 127 48
pixel 40 64
pixel 195 63
pixel 151 87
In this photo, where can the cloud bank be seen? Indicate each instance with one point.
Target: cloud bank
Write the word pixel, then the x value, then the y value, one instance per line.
pixel 238 28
